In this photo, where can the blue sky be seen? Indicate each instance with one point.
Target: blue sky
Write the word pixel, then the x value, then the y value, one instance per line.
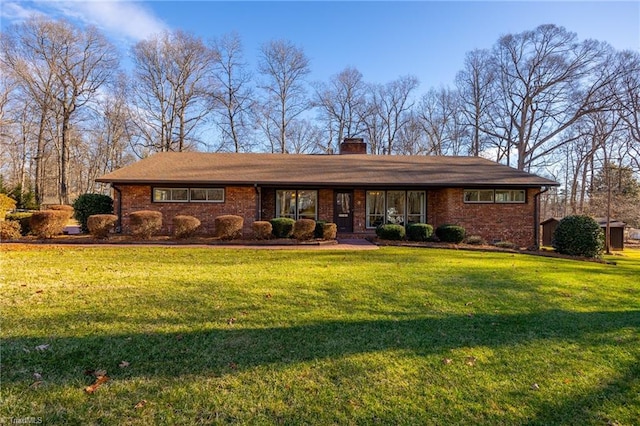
pixel 383 40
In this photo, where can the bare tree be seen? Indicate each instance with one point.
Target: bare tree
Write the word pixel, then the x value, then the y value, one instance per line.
pixel 231 95
pixel 284 67
pixel 440 117
pixel 340 103
pixel 170 79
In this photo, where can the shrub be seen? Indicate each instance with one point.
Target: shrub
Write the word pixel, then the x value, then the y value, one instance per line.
pixel 419 232
pixel 391 232
pixel 282 227
pixel 185 226
pixel 304 229
pixel 450 233
pixel 89 204
pixel 229 227
pixel 505 245
pixel 262 229
pixel 475 240
pixel 68 210
pixel 9 230
pixel 319 228
pixel 47 223
pixel 6 204
pixel 145 223
pixel 329 231
pixel 24 219
pixel 578 235
pixel 100 225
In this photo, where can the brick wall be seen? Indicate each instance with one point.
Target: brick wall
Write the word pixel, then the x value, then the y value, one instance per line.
pixel 494 222
pixel 239 201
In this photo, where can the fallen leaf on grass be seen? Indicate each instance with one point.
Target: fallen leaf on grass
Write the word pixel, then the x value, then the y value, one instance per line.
pixel 94 387
pixel 447 361
pixel 267 296
pixel 37 376
pixel 230 321
pixel 42 347
pixel 471 361
pixel 535 386
pixel 39 291
pixel 233 366
pixel 124 364
pixel 99 373
pixel 141 404
pixel 36 384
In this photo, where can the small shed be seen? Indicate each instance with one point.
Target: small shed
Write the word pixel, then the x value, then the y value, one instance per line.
pixel 548 228
pixel 616 229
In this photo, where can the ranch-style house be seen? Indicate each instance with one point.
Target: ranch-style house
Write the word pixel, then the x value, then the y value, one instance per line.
pixel 355 190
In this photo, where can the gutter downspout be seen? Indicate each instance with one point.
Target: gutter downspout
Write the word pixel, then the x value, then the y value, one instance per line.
pixel 258 202
pixel 536 216
pixel 119 223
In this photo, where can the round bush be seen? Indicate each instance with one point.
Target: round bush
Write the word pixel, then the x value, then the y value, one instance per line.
pixel 24 218
pixel 450 233
pixel 229 227
pixel 47 223
pixel 282 227
pixel 100 225
pixel 475 240
pixel 6 203
pixel 185 226
pixel 579 235
pixel 419 232
pixel 9 230
pixel 329 231
pixel 63 208
pixel 304 229
pixel 89 204
pixel 319 228
pixel 391 232
pixel 145 223
pixel 262 229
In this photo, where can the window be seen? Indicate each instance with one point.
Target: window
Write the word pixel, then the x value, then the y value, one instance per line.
pixel 395 207
pixel 510 195
pixel 170 194
pixel 297 204
pixel 185 195
pixel 494 195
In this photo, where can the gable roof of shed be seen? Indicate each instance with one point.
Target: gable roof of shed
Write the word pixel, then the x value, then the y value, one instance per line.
pixel 321 170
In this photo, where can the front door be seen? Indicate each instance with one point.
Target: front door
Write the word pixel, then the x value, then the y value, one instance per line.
pixel 343 211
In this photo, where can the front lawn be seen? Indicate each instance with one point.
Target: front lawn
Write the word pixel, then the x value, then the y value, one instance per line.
pixel 392 336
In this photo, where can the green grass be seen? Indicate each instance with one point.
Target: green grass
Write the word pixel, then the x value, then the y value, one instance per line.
pixel 393 336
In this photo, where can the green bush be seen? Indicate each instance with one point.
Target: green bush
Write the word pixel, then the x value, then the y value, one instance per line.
pixel 391 232
pixel 450 233
pixel 304 229
pixel 262 230
pixel 419 232
pixel 282 227
pixel 47 223
pixel 228 227
pixel 475 240
pixel 578 235
pixel 100 225
pixel 9 230
pixel 319 228
pixel 24 218
pixel 145 223
pixel 89 204
pixel 185 226
pixel 329 231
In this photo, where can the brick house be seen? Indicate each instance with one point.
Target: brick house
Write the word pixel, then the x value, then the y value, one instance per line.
pixel 355 190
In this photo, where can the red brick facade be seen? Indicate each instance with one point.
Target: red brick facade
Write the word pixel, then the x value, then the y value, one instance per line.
pixel 494 222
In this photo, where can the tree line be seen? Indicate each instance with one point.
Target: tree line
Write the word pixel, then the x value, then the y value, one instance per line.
pixel 540 100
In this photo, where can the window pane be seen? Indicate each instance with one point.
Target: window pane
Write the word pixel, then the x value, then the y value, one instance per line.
pixel 286 204
pixel 415 206
pixel 215 194
pixel 307 204
pixel 161 195
pixel 486 196
pixel 509 196
pixel 375 208
pixel 170 194
pixel 179 195
pixel 471 196
pixel 198 194
pixel 395 207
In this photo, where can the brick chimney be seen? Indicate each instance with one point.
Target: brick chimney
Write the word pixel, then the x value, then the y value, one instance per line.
pixel 353 146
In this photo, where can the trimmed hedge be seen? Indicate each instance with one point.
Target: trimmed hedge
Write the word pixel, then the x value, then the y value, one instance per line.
pixel 579 235
pixel 262 229
pixel 391 232
pixel 419 232
pixel 282 227
pixel 24 218
pixel 475 240
pixel 100 225
pixel 6 203
pixel 9 230
pixel 329 231
pixel 304 229
pixel 48 223
pixel 63 208
pixel 228 227
pixel 320 228
pixel 90 204
pixel 185 226
pixel 450 233
pixel 145 223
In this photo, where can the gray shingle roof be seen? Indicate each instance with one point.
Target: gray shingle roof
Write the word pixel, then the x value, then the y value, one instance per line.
pixel 321 170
